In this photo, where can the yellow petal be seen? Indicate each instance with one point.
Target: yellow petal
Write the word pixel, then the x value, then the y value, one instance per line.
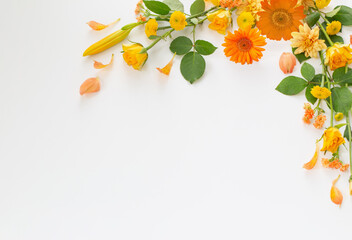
pixel 335 193
pixel 90 85
pixel 166 70
pixel 309 165
pixel 99 65
pixel 99 26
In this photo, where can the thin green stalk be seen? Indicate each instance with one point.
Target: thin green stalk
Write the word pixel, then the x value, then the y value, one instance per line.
pixel 157 40
pixel 329 87
pixel 326 34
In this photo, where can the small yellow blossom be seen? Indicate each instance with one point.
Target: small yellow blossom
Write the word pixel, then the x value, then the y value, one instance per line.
pixel 132 55
pixel 178 20
pixel 220 20
pixel 245 19
pixel 322 3
pixel 151 27
pixel 339 116
pixel 332 139
pixel 320 92
pixel 333 28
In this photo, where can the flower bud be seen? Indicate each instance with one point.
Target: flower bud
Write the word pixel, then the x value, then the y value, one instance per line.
pixel 134 55
pixel 287 62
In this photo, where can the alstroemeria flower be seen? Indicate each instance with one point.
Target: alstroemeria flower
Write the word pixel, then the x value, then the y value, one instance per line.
pixel 99 65
pixel 99 26
pixel 309 165
pixel 335 193
pixel 166 70
pixel 90 85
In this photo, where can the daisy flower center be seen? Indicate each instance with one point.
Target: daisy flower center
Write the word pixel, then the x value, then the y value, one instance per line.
pixel 281 18
pixel 244 44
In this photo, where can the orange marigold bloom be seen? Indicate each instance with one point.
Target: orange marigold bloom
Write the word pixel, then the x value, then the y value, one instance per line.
pixel 280 18
pixel 244 45
pixel 308 114
pixel 319 121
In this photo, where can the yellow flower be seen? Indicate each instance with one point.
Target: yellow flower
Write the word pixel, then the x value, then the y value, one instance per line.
pixel 322 3
pixel 339 116
pixel 214 2
pixel 307 41
pixel 132 55
pixel 178 20
pixel 320 92
pixel 252 6
pixel 245 19
pixel 332 140
pixel 333 28
pixel 151 27
pixel 338 55
pixel 306 4
pixel 220 20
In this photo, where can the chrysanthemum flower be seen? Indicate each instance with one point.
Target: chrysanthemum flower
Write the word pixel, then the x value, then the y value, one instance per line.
pixel 280 18
pixel 245 19
pixel 151 27
pixel 306 4
pixel 178 20
pixel 319 121
pixel 244 45
pixel 333 28
pixel 252 6
pixel 307 41
pixel 320 92
pixel 322 3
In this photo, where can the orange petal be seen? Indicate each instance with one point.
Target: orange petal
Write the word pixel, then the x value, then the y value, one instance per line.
pixel 166 70
pixel 99 26
pixel 309 165
pixel 99 65
pixel 335 193
pixel 90 85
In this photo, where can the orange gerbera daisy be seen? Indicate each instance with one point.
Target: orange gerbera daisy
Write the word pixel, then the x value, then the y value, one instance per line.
pixel 244 45
pixel 280 18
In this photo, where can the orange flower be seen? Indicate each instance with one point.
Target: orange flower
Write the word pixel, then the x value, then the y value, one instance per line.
pixel 141 18
pixel 309 165
pixel 138 7
pixel 335 193
pixel 99 65
pixel 335 164
pixel 90 85
pixel 308 114
pixel 319 121
pixel 166 70
pixel 230 3
pixel 244 45
pixel 280 18
pixel 344 167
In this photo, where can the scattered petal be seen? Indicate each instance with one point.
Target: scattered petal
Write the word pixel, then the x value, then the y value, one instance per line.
pixel 309 165
pixel 335 193
pixel 166 70
pixel 99 26
pixel 99 65
pixel 90 85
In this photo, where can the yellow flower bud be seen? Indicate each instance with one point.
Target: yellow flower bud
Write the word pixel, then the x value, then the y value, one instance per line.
pixel 339 116
pixel 132 55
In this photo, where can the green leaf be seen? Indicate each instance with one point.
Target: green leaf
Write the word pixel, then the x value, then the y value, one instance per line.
pixel 153 37
pixel 204 47
pixel 292 85
pixel 346 135
pixel 338 126
pixel 181 45
pixel 175 5
pixel 300 57
pixel 308 71
pixel 195 21
pixel 333 13
pixel 192 66
pixel 197 6
pixel 157 7
pixel 336 38
pixel 341 99
pixel 341 77
pixel 309 96
pixel 312 18
pixel 344 15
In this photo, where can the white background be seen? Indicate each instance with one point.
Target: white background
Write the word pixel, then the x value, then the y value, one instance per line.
pixel 150 157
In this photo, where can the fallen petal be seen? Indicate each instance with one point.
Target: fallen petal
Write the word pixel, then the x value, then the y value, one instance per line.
pixel 335 193
pixel 166 70
pixel 309 165
pixel 99 65
pixel 99 26
pixel 90 85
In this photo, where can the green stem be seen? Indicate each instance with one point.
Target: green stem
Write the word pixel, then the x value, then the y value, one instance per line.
pixel 326 34
pixel 322 15
pixel 329 87
pixel 157 40
pixel 201 14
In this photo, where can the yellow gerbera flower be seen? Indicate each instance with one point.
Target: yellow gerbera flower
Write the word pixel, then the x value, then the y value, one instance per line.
pixel 307 41
pixel 178 20
pixel 320 92
pixel 322 3
pixel 333 28
pixel 245 19
pixel 151 27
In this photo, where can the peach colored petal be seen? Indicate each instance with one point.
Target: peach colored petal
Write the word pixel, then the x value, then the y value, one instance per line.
pixel 166 70
pixel 99 65
pixel 90 85
pixel 309 165
pixel 335 193
pixel 99 26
